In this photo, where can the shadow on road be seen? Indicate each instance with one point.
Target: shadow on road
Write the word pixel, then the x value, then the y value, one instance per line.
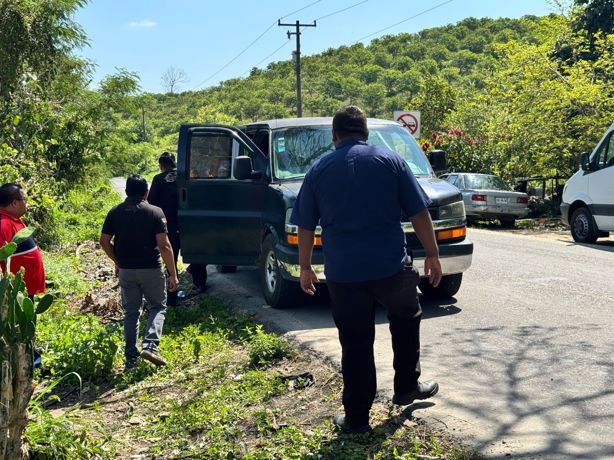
pixel 603 245
pixel 543 408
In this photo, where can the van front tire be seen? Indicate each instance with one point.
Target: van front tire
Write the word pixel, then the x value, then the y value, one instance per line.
pixel 582 226
pixel 278 292
pixel 447 287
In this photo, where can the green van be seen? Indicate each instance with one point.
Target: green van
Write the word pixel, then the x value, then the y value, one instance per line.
pixel 237 186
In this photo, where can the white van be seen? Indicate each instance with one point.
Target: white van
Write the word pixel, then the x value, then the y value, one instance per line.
pixel 588 196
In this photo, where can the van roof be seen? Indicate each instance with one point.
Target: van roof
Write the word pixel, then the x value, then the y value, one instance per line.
pixel 312 121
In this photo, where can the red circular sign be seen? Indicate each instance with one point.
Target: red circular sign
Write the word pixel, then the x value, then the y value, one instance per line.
pixel 409 121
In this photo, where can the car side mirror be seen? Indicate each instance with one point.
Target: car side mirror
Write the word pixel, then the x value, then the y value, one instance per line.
pixel 585 161
pixel 243 169
pixel 438 161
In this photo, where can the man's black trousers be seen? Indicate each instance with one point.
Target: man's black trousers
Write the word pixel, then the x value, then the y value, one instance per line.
pixel 353 306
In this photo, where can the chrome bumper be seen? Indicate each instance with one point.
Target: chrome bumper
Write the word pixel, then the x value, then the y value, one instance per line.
pixel 449 266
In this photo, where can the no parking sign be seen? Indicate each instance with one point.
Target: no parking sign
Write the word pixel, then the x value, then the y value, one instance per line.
pixel 410 119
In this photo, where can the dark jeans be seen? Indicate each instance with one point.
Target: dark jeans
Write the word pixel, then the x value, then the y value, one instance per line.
pixel 353 306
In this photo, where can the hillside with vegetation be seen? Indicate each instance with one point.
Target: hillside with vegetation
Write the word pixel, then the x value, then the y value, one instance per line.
pixel 517 97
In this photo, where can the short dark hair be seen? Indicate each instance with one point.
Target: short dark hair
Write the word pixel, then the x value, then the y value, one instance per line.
pixel 136 186
pixel 9 193
pixel 167 159
pixel 350 121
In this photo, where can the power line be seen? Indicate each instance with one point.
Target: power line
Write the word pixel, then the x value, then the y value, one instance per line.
pixel 404 20
pixel 320 18
pixel 300 9
pixel 251 44
pixel 341 10
pixel 272 54
pixel 235 58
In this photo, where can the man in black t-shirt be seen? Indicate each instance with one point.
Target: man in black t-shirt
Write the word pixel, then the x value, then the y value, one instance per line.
pixel 134 235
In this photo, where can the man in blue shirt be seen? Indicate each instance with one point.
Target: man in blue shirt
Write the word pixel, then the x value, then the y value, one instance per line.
pixel 358 194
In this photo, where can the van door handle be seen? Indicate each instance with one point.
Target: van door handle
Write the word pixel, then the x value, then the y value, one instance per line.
pixel 184 195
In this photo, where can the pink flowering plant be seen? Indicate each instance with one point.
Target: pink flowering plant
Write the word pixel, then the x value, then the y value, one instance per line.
pixel 464 152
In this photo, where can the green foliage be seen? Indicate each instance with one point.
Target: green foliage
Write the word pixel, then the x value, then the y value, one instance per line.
pixel 63 272
pixel 18 313
pixel 63 437
pixel 81 213
pixel 264 348
pixel 79 343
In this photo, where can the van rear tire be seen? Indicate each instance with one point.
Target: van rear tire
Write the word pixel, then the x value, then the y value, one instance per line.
pixel 278 292
pixel 582 226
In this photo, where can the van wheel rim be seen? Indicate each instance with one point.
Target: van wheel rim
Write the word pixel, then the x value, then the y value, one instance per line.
pixel 271 272
pixel 581 225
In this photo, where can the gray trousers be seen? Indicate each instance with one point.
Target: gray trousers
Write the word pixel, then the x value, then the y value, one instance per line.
pixel 135 284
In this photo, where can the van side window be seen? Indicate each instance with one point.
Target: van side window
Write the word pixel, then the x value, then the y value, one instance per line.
pixel 605 155
pixel 210 156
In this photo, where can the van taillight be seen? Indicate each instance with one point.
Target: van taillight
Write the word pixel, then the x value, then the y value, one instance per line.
pixel 478 197
pixel 522 200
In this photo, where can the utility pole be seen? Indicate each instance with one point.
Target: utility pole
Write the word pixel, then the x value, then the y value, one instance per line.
pixel 297 61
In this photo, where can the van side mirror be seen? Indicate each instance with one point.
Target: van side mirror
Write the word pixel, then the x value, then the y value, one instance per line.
pixel 585 161
pixel 243 169
pixel 437 158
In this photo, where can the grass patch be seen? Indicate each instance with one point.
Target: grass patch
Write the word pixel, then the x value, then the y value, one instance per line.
pixel 224 395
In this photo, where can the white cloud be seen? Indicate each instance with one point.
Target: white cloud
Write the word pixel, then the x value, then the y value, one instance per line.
pixel 145 23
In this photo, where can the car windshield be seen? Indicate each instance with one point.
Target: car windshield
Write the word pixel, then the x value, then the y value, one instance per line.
pixel 485 183
pixel 296 149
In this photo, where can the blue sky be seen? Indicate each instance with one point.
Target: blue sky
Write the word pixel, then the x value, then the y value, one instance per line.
pixel 202 37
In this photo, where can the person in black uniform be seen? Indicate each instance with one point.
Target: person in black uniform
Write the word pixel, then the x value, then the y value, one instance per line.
pixel 164 194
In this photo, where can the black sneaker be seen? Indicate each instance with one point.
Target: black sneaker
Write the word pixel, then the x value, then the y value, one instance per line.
pixel 424 390
pixel 153 357
pixel 339 420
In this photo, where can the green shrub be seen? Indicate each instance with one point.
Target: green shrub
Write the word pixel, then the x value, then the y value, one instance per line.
pixel 62 271
pixel 62 437
pixel 81 213
pixel 79 343
pixel 264 348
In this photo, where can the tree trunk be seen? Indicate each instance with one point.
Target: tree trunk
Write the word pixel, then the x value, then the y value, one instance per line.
pixel 16 380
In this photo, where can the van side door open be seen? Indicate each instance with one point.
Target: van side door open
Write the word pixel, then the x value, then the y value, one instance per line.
pixel 220 217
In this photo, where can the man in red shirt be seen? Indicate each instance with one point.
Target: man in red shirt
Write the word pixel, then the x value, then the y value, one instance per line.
pixel 12 207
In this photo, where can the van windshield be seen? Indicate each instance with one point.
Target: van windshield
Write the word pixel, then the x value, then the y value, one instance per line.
pixel 296 149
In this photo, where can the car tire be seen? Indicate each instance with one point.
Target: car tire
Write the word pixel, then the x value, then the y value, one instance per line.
pixel 278 292
pixel 448 286
pixel 226 268
pixel 582 226
pixel 508 223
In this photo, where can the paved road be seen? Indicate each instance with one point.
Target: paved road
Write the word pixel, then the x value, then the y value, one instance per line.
pixel 524 355
pixel 119 185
